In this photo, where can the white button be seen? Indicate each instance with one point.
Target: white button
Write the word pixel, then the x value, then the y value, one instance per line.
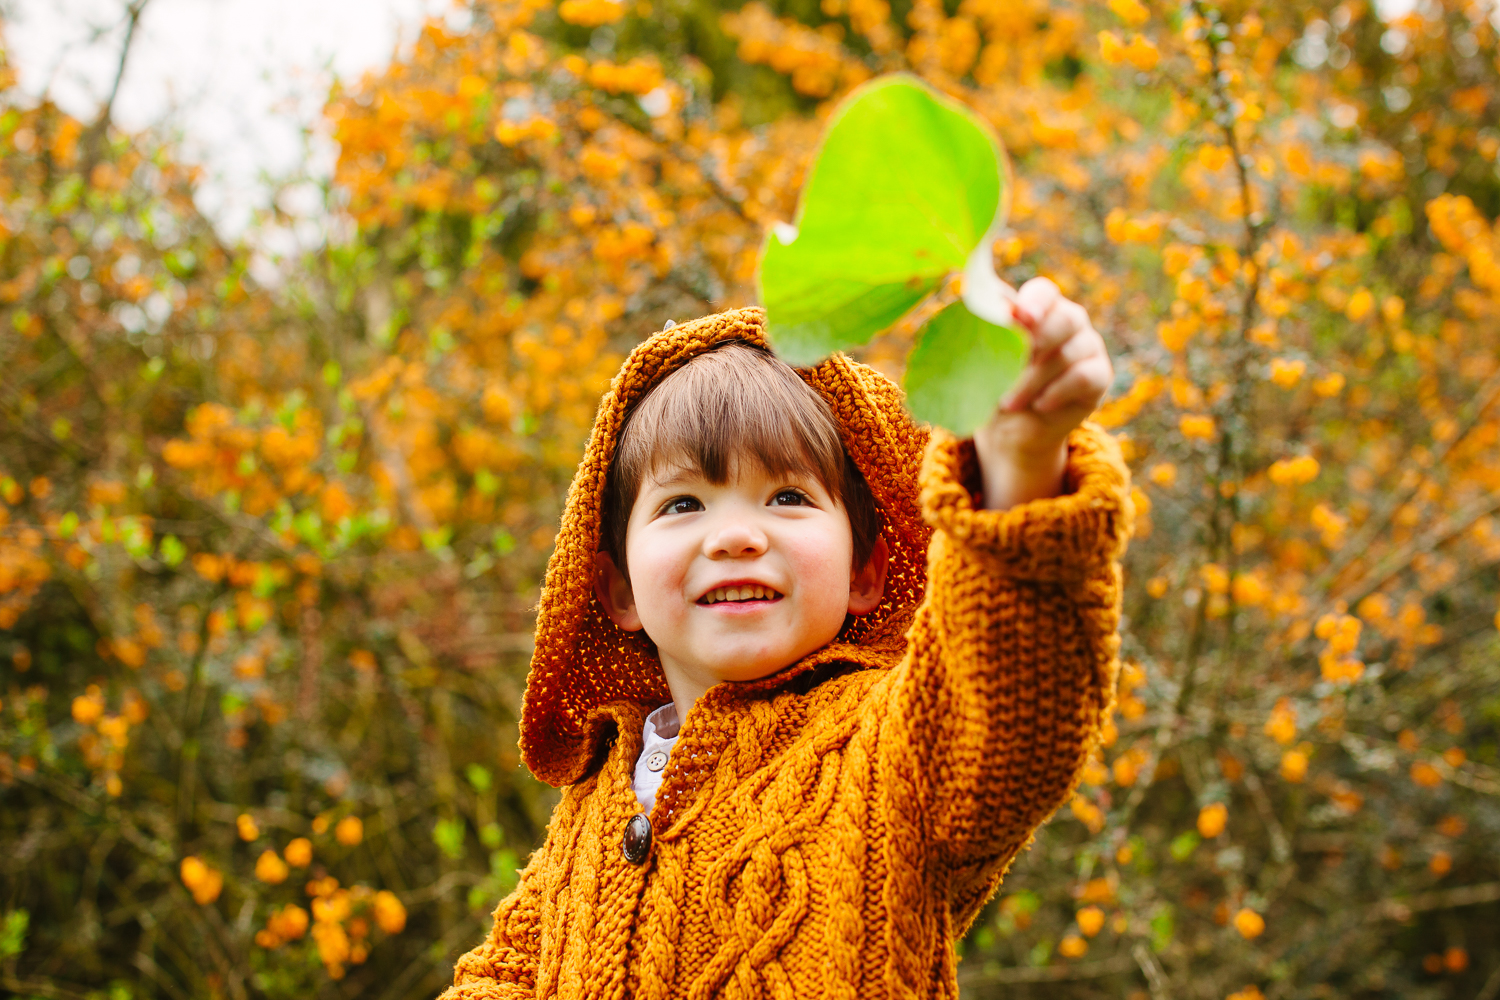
pixel 656 761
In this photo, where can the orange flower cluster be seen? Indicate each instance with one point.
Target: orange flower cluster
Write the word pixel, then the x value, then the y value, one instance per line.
pixel 286 924
pixel 1337 660
pixel 257 467
pixel 813 59
pixel 103 749
pixel 202 880
pixel 23 566
pixel 1463 231
pixel 340 923
pixel 638 76
pixel 590 13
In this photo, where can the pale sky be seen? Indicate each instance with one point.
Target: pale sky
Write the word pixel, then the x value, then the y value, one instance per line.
pixel 237 79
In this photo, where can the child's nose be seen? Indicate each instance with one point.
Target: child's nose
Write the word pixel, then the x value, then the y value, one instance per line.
pixel 735 539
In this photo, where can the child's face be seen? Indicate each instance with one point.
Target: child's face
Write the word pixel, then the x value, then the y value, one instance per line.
pixel 735 581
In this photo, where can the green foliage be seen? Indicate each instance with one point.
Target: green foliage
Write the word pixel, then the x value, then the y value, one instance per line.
pixel 906 187
pixel 1184 844
pixel 449 835
pixel 13 933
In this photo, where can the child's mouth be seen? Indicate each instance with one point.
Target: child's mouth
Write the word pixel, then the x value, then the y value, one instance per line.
pixel 743 594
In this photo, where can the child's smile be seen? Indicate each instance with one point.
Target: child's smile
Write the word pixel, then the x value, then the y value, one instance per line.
pixel 740 594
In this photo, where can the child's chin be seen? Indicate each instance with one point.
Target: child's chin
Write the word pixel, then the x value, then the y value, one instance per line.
pixel 741 666
pixel 741 670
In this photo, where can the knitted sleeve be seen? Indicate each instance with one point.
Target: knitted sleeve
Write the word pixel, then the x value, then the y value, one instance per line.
pixel 1011 661
pixel 504 966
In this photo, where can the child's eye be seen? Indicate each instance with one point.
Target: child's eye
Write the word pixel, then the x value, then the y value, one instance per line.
pixel 682 505
pixel 791 498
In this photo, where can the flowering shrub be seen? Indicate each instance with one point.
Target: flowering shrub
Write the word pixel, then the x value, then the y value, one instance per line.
pixel 267 554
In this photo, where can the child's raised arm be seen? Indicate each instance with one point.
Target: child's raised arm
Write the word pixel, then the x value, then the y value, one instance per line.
pixel 1011 661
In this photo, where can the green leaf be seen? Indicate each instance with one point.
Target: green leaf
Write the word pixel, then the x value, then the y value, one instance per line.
pixel 960 367
pixel 1024 902
pixel 309 527
pixel 448 835
pixel 265 582
pixel 172 550
pixel 13 933
pixel 435 540
pixel 1163 926
pixel 1184 844
pixel 813 322
pixel 906 185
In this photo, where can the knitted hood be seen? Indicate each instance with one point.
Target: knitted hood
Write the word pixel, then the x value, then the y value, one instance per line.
pixel 583 663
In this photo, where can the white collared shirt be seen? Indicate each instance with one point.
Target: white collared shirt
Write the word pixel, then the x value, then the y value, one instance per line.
pixel 657 739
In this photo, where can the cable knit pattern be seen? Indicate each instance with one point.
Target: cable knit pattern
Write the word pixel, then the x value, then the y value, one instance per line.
pixel 829 830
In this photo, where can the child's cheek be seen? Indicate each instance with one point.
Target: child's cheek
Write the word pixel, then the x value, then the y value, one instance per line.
pixel 821 569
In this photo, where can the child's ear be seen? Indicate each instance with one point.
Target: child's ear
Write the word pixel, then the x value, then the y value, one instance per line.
pixel 867 584
pixel 614 592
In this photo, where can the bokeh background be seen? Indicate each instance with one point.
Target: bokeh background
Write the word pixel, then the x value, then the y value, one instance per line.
pixel 295 366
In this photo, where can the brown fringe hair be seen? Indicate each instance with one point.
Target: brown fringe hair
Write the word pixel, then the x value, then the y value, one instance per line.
pixel 731 402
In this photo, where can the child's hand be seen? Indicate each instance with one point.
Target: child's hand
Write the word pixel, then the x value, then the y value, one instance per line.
pixel 1023 450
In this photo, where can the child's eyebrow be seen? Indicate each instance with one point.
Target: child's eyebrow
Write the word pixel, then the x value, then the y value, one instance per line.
pixel 680 476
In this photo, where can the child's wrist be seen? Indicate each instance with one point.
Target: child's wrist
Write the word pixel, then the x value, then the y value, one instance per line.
pixel 1015 472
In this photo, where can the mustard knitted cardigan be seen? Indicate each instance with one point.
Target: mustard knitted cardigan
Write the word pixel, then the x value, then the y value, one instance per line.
pixel 830 830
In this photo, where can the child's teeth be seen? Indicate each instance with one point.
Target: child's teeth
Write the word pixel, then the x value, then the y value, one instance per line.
pixel 745 593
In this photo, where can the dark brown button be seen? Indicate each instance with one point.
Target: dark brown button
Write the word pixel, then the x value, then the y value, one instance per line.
pixel 637 842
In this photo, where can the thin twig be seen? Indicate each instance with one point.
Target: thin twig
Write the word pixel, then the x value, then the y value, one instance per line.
pixel 1156 979
pixel 424 964
pixel 40 988
pixel 1393 565
pixel 1470 416
pixel 1446 899
pixel 148 966
pixel 1280 847
pixel 1046 973
pixel 1491 988
pixel 132 21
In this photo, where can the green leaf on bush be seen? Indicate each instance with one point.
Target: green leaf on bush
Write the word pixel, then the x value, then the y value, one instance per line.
pixel 1184 844
pixel 1163 926
pixel 172 550
pixel 448 835
pixel 13 933
pixel 907 190
pixel 479 776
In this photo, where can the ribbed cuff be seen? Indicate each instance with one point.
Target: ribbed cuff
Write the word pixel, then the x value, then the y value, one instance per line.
pixel 1059 538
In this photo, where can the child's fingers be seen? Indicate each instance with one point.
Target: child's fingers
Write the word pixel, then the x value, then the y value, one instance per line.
pixel 1081 386
pixel 1034 300
pixel 1063 321
pixel 1047 366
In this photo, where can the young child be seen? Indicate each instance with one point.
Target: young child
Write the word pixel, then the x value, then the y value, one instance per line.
pixel 807 692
